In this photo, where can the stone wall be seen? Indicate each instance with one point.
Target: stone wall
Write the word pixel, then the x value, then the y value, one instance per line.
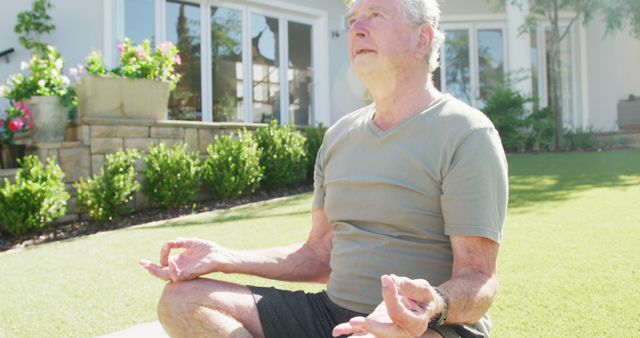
pixel 89 142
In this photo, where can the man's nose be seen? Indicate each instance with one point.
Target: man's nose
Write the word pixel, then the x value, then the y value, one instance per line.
pixel 358 28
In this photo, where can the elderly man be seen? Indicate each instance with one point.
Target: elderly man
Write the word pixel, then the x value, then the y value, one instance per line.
pixel 414 185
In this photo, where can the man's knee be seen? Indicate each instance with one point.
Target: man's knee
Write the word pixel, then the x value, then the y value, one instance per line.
pixel 185 298
pixel 173 302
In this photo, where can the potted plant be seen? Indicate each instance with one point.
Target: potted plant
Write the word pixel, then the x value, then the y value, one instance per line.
pixel 138 88
pixel 46 91
pixel 18 120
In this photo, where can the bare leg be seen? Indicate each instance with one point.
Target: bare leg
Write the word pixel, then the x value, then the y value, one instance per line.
pixel 209 308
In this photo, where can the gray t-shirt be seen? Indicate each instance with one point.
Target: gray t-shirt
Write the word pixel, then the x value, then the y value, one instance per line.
pixel 394 197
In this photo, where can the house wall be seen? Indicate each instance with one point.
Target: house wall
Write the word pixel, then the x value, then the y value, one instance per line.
pixel 466 7
pixel 78 31
pixel 613 73
pixel 80 25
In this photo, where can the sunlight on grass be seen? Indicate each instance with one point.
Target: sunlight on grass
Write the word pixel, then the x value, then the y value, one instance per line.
pixel 568 265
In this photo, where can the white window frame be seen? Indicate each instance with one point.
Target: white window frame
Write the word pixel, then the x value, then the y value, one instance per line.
pixel 578 116
pixel 472 29
pixel 284 11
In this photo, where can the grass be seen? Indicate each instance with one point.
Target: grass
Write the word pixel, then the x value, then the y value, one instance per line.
pixel 568 266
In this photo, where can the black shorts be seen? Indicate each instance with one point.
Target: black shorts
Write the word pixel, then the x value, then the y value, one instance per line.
pixel 298 314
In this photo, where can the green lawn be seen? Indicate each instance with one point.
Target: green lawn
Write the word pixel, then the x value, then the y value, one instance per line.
pixel 569 264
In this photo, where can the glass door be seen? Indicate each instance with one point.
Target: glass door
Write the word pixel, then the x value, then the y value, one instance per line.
pixel 473 62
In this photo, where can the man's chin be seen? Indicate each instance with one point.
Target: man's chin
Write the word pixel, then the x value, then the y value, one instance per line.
pixel 364 69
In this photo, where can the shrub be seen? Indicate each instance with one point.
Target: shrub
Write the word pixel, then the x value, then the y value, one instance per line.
pixel 103 196
pixel 172 175
pixel 37 197
pixel 314 135
pixel 233 166
pixel 581 139
pixel 283 155
pixel 542 123
pixel 507 111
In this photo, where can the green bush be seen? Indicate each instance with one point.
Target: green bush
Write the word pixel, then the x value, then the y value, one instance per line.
pixel 283 155
pixel 581 139
pixel 172 175
pixel 507 111
pixel 233 166
pixel 314 135
pixel 102 196
pixel 542 126
pixel 37 197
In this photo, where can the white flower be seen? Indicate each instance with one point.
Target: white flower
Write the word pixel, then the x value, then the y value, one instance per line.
pixel 4 90
pixel 41 83
pixel 59 63
pixel 65 81
pixel 73 71
pixel 24 65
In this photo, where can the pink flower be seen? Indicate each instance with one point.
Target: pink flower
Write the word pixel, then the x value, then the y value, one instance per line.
pixel 21 106
pixel 16 124
pixel 1 123
pixel 165 47
pixel 121 47
pixel 177 59
pixel 140 53
pixel 81 69
pixel 29 125
pixel 28 114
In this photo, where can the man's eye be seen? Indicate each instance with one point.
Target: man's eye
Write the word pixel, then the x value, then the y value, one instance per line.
pixel 376 14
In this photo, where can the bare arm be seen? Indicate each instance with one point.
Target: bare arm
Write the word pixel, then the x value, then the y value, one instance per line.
pixel 474 283
pixel 307 262
pixel 410 304
pixel 301 262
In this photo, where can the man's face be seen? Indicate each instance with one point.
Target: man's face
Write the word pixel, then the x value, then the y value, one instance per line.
pixel 382 42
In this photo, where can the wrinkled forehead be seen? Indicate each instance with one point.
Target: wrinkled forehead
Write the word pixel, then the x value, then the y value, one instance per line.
pixel 385 6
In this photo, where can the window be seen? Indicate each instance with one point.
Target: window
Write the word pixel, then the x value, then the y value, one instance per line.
pixel 226 64
pixel 541 77
pixel 265 60
pixel 254 63
pixel 183 29
pixel 300 74
pixel 139 27
pixel 473 62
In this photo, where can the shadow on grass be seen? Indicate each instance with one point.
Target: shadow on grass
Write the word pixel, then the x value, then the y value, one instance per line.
pixel 535 178
pixel 262 210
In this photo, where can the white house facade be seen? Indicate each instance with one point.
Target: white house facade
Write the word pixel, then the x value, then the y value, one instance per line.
pixel 256 60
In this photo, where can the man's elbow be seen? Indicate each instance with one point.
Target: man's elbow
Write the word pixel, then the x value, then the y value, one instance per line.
pixel 485 296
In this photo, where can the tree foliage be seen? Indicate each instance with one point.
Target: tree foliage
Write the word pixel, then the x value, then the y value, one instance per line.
pixel 617 15
pixel 33 24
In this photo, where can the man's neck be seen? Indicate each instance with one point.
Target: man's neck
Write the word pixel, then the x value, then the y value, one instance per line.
pixel 399 100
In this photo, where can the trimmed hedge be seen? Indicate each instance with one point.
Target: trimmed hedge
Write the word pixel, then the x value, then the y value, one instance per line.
pixel 37 197
pixel 103 196
pixel 233 168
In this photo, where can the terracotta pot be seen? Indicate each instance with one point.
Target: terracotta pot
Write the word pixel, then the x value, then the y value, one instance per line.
pixel 115 97
pixel 50 119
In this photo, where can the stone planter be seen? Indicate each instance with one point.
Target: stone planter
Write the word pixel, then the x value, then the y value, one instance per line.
pixel 114 97
pixel 629 114
pixel 50 119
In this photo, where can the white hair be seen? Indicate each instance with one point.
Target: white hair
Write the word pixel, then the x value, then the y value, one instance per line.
pixel 427 11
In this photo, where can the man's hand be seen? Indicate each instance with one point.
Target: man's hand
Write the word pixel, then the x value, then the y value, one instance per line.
pixel 199 258
pixel 405 312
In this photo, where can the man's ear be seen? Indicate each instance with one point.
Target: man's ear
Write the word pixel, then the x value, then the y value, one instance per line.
pixel 425 39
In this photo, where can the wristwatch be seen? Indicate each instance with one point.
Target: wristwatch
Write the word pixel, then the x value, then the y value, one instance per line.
pixel 439 321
